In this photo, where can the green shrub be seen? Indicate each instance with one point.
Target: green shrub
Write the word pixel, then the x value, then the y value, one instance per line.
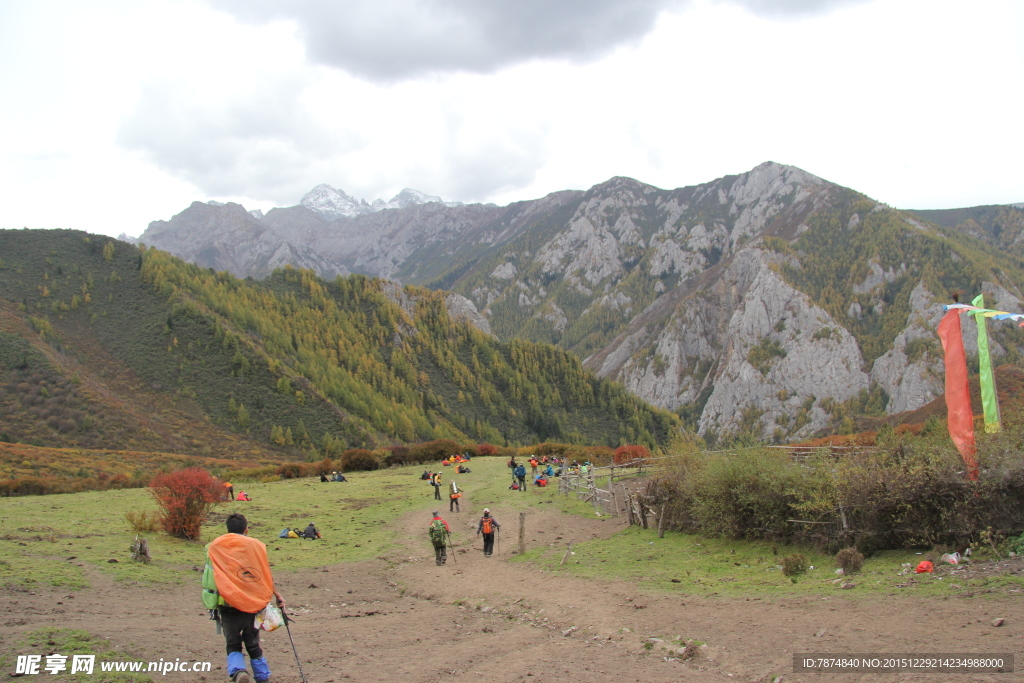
pixel 793 565
pixel 746 495
pixel 143 520
pixel 849 560
pixel 909 491
pixel 1016 545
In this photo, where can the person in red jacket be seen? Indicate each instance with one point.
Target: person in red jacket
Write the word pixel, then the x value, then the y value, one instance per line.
pixel 241 572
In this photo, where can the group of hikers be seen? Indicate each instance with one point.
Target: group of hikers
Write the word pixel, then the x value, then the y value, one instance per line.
pixel 229 493
pixel 310 533
pixel 335 476
pixel 454 492
pixel 441 535
pixel 238 587
pixel 541 470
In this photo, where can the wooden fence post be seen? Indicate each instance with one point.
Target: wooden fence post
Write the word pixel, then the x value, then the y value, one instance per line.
pixel 643 512
pixel 661 522
pixel 522 533
pixel 567 553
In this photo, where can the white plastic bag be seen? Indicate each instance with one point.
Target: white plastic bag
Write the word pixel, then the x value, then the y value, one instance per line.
pixel 270 617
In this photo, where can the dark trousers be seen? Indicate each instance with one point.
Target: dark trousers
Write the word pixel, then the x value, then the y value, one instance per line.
pixel 453 504
pixel 437 493
pixel 440 554
pixel 488 543
pixel 522 483
pixel 240 628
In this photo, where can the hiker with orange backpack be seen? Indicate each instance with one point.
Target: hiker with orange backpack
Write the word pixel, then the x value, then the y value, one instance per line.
pixel 487 526
pixel 453 496
pixel 237 584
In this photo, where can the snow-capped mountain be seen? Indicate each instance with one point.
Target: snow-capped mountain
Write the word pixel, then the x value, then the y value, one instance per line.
pixel 331 203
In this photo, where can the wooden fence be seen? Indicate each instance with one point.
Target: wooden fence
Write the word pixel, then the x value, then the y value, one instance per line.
pixel 598 484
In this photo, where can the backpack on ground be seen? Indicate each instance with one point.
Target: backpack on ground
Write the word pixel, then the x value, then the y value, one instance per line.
pixel 437 532
pixel 284 533
pixel 488 527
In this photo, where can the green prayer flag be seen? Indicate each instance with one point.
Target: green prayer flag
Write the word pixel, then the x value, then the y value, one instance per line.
pixel 986 377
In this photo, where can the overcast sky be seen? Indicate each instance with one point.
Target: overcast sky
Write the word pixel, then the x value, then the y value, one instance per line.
pixel 115 113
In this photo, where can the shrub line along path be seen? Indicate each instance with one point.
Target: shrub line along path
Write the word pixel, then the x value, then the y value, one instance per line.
pixel 398 617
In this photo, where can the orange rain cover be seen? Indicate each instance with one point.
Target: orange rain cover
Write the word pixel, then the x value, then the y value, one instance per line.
pixel 958 397
pixel 241 571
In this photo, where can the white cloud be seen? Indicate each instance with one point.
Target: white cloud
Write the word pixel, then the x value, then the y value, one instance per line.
pixel 124 112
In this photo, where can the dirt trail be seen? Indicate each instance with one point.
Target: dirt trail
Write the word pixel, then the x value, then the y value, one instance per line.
pixel 401 618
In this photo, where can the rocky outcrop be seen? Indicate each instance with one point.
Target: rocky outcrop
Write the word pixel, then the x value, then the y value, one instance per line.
pixel 759 347
pixel 462 309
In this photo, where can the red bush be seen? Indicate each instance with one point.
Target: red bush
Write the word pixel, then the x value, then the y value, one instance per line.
pixel 399 455
pixel 290 470
pixel 358 459
pixel 486 449
pixel 186 497
pixel 632 454
pixel 434 450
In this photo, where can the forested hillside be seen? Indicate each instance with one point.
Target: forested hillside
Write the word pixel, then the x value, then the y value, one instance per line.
pixel 768 305
pixel 291 362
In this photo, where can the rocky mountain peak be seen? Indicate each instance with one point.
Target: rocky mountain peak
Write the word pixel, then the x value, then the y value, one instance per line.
pixel 332 203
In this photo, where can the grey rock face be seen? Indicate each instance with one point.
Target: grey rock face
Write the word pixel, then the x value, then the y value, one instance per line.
pixel 229 238
pixel 804 353
pixel 912 374
pixel 461 308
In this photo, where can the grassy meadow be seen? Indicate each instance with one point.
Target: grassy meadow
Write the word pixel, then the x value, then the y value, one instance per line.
pixel 47 539
pixel 60 539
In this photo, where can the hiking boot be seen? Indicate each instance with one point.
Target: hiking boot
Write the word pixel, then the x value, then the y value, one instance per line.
pixel 241 677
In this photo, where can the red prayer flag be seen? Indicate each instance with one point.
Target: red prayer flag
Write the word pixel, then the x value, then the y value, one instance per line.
pixel 958 396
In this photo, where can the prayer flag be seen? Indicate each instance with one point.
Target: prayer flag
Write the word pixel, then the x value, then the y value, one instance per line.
pixel 958 397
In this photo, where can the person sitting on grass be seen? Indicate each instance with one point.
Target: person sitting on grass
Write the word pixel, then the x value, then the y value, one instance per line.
pixel 311 533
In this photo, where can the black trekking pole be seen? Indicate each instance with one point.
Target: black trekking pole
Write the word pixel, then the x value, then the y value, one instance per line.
pixel 288 620
pixel 451 547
